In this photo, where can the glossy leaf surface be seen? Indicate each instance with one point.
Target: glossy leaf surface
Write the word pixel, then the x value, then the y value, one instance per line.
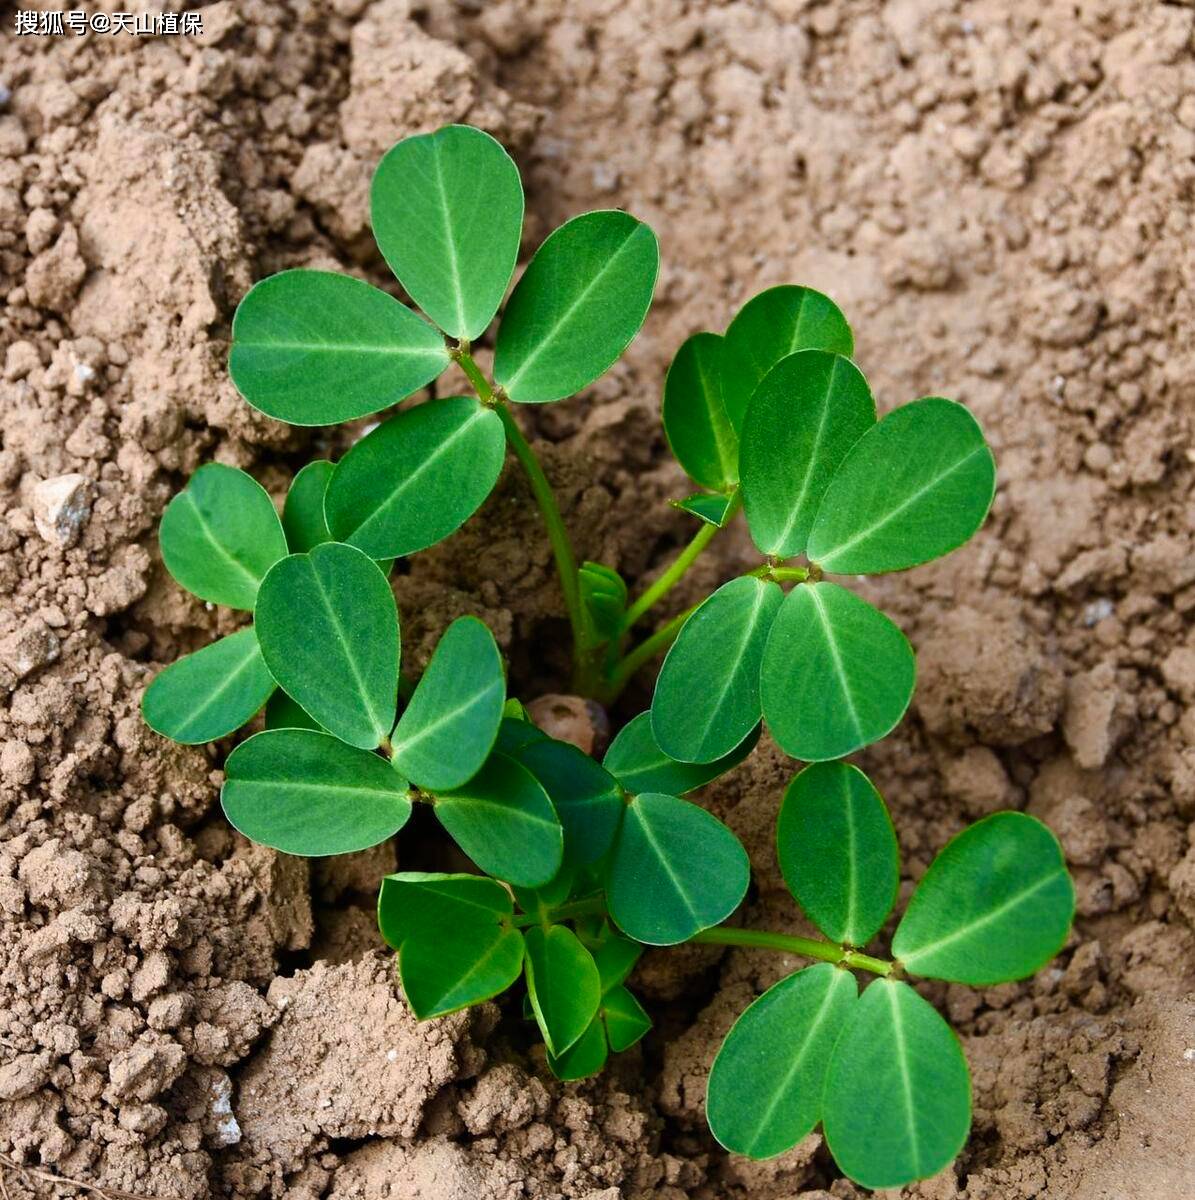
pixel 898 1095
pixel 308 793
pixel 220 535
pixel 712 508
pixel 317 348
pixel 454 936
pixel 675 870
pixel 765 1087
pixel 695 419
pixel 209 693
pixel 913 488
pixel 447 213
pixel 837 673
pixel 776 323
pixel 624 1018
pixel 577 306
pixel 707 695
pixel 416 478
pixel 450 724
pixel 995 905
pixel 328 629
pixel 805 415
pixel 563 983
pixel 838 851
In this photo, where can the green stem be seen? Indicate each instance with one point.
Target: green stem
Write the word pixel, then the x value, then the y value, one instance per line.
pixel 781 574
pixel 481 385
pixel 786 943
pixel 646 651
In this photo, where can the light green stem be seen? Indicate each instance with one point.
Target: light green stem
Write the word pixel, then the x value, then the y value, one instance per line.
pixel 787 943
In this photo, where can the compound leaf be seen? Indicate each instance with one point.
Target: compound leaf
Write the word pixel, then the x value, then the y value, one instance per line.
pixel 308 793
pixel 996 904
pixel 771 326
pixel 707 695
pixel 586 1056
pixel 283 713
pixel 913 488
pixel 675 869
pixel 328 629
pixel 624 1018
pixel 303 513
pixel 449 726
pixel 577 306
pixel 838 851
pixel 837 674
pixel 563 983
pixel 713 509
pixel 638 763
pixel 695 419
pixel 897 1101
pixel 503 820
pixel 316 348
pixel 805 415
pixel 220 535
pixel 455 940
pixel 416 478
pixel 209 693
pixel 765 1087
pixel 447 213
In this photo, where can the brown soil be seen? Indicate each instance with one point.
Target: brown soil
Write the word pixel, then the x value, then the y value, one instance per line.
pixel 1000 195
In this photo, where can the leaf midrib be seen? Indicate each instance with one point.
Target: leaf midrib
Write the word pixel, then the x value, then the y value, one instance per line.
pixel 244 665
pixel 836 655
pixel 219 547
pixel 902 1063
pixel 450 244
pixel 404 746
pixel 650 837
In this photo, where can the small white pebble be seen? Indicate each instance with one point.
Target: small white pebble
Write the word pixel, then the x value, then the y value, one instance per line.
pixel 391 1055
pixel 61 506
pixel 1189 1055
pixel 1097 611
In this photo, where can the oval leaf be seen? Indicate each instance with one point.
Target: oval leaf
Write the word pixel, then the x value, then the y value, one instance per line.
pixel 455 941
pixel 638 763
pixel 765 1087
pixel 707 695
pixel 837 674
pixel 624 1018
pixel 449 727
pixel 580 302
pixel 913 488
pixel 838 851
pixel 315 348
pixel 897 1101
pixel 674 871
pixel 695 420
pixel 307 793
pixel 416 478
pixel 995 905
pixel 771 326
pixel 220 535
pixel 447 213
pixel 806 413
pixel 563 984
pixel 209 693
pixel 303 513
pixel 503 820
pixel 328 629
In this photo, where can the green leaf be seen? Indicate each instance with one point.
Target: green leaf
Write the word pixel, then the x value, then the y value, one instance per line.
pixel 328 629
pixel 995 905
pixel 615 956
pixel 637 762
pixel 220 535
pixel 695 419
pixel 913 488
pixel 707 695
pixel 624 1018
pixel 307 793
pixel 675 870
pixel 283 713
pixel 303 513
pixel 416 478
pixel 449 727
pixel 805 415
pixel 586 797
pixel 577 306
pixel 539 902
pixel 516 732
pixel 587 1056
pixel 897 1102
pixel 713 510
pixel 455 941
pixel 837 674
pixel 604 593
pixel 209 693
pixel 317 348
pixel 838 851
pixel 765 1087
pixel 503 820
pixel 771 326
pixel 447 213
pixel 563 983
